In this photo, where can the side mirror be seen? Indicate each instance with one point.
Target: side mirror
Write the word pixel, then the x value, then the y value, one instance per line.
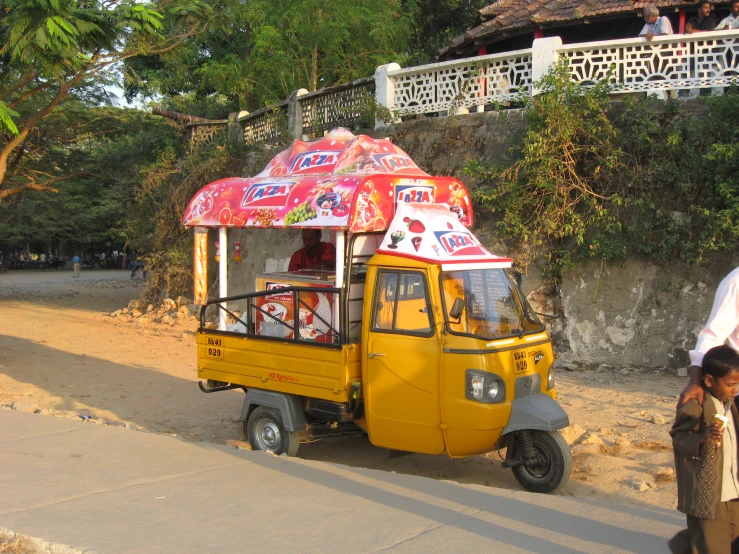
pixel 457 309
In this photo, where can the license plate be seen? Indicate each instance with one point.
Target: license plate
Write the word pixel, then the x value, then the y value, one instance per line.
pixel 520 361
pixel 214 352
pixel 214 348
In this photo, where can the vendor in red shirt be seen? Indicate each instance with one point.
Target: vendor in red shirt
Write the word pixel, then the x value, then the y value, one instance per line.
pixel 315 254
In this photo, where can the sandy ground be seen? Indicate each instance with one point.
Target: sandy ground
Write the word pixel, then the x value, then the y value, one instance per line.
pixel 62 354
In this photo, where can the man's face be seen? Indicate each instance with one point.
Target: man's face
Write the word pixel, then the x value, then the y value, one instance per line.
pixel 311 238
pixel 724 388
pixel 735 8
pixel 651 19
pixel 705 10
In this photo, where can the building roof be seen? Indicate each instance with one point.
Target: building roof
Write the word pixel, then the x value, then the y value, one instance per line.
pixel 509 17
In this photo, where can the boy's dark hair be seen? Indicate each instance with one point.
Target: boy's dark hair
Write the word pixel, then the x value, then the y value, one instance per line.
pixel 719 361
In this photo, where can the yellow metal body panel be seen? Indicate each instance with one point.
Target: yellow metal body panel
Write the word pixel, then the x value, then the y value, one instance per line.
pixel 305 370
pixel 473 427
pixel 401 373
pixel 413 382
pixel 415 394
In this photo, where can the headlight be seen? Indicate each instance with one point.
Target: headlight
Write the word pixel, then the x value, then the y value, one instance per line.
pixel 484 387
pixel 550 377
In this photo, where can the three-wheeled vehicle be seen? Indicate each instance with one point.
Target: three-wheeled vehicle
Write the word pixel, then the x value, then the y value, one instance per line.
pixel 419 338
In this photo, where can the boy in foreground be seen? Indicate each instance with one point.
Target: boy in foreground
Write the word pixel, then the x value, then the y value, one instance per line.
pixel 704 438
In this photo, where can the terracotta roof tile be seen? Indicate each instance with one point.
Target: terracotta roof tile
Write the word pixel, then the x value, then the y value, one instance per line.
pixel 516 14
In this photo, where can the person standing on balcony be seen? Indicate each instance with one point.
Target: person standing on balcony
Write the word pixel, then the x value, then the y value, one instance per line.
pixel 655 25
pixel 704 21
pixel 731 22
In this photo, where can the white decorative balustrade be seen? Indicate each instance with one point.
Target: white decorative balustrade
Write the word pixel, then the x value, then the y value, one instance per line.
pixel 461 84
pixel 700 60
pixel 201 134
pixel 265 125
pixel 339 106
pixel 676 62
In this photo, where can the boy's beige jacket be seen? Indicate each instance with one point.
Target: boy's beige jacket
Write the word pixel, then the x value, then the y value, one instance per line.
pixel 699 469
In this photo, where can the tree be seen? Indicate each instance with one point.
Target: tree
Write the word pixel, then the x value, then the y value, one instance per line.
pixel 315 43
pixel 51 48
pixel 436 23
pixel 104 151
pixel 258 52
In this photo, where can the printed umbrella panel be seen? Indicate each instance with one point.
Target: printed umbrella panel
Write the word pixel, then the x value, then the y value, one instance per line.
pixel 338 182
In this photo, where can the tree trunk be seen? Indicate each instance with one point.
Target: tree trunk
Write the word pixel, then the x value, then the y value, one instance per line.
pixel 314 68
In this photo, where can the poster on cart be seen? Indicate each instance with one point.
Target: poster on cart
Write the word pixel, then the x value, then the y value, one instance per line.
pixel 315 312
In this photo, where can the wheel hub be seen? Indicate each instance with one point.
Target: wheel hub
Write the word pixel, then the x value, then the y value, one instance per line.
pixel 269 435
pixel 539 466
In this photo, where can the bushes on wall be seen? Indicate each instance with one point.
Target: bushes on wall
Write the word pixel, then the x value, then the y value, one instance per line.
pixel 155 224
pixel 594 180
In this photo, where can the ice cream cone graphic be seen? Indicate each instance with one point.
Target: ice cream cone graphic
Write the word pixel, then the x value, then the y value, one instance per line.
pixel 721 421
pixel 416 242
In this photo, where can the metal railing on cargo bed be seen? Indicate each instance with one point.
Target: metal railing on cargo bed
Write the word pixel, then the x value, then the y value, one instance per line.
pixel 272 315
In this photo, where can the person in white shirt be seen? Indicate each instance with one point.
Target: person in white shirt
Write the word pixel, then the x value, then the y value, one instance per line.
pixel 722 328
pixel 655 25
pixel 731 22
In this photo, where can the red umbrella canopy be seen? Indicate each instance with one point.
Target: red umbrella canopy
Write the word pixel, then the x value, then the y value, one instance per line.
pixel 340 181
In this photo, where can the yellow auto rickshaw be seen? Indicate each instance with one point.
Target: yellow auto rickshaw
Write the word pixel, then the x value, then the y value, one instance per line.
pixel 419 338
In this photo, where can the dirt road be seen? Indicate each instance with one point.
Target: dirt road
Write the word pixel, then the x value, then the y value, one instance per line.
pixel 62 353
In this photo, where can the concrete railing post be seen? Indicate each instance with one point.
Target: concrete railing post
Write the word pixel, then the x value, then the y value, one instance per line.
pixel 235 132
pixel 543 57
pixel 295 114
pixel 384 93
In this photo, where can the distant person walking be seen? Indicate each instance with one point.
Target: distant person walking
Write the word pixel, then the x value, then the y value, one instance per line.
pixel 76 262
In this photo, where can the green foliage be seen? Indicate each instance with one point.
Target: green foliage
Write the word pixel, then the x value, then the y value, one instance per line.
pixel 102 150
pixel 436 23
pixel 54 49
pixel 6 119
pixel 594 181
pixel 256 53
pixel 154 225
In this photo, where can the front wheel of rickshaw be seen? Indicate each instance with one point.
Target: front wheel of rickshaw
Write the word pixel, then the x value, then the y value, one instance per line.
pixel 265 431
pixel 548 466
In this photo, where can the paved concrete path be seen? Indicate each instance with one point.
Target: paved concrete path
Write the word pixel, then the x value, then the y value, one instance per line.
pixel 112 490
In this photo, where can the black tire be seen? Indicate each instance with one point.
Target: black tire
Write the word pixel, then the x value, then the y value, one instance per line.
pixel 553 465
pixel 265 431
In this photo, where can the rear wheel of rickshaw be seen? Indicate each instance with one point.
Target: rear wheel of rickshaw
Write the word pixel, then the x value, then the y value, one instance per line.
pixel 548 466
pixel 266 431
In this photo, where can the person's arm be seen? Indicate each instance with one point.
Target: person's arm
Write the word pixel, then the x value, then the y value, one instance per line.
pixel 694 388
pixel 724 24
pixel 723 321
pixel 295 264
pixel 644 32
pixel 685 436
pixel 328 256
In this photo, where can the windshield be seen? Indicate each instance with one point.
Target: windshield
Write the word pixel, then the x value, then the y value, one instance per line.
pixel 490 305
